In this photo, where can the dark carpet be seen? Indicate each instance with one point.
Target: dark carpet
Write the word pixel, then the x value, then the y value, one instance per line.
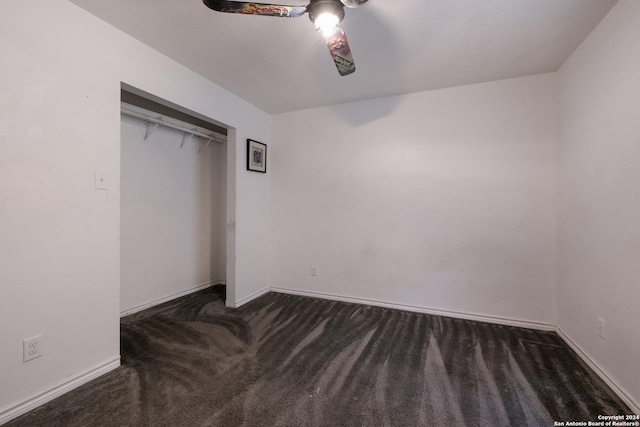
pixel 285 360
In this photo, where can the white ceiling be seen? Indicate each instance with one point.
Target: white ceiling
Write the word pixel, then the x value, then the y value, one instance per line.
pixel 399 46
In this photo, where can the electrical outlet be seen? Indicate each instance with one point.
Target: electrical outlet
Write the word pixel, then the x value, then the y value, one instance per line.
pixel 100 181
pixel 602 328
pixel 32 348
pixel 314 270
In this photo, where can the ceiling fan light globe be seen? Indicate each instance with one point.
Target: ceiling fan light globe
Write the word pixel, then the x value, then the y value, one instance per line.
pixel 326 23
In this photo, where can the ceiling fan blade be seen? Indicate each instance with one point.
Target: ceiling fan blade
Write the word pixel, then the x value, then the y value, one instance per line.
pixel 256 8
pixel 341 53
pixel 353 3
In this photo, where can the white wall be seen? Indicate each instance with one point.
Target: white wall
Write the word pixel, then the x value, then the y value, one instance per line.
pixel 61 75
pixel 172 215
pixel 599 196
pixel 442 199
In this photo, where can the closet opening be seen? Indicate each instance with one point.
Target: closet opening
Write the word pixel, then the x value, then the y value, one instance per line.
pixel 173 202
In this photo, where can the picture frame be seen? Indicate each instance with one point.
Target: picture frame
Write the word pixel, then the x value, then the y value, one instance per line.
pixel 256 156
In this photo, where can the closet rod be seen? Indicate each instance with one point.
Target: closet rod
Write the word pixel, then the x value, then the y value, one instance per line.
pixel 213 136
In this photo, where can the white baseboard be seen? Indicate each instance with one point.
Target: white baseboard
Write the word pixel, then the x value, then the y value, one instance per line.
pixel 252 297
pixel 169 298
pixel 604 376
pixel 33 402
pixel 541 326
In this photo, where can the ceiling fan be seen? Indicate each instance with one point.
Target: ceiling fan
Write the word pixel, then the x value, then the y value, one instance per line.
pixel 325 14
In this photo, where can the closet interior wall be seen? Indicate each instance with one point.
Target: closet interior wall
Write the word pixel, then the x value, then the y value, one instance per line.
pixel 173 214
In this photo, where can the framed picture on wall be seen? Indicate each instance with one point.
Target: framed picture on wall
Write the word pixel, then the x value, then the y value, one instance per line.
pixel 256 156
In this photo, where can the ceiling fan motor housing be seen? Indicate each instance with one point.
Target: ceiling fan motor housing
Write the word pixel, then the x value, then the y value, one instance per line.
pixel 318 7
